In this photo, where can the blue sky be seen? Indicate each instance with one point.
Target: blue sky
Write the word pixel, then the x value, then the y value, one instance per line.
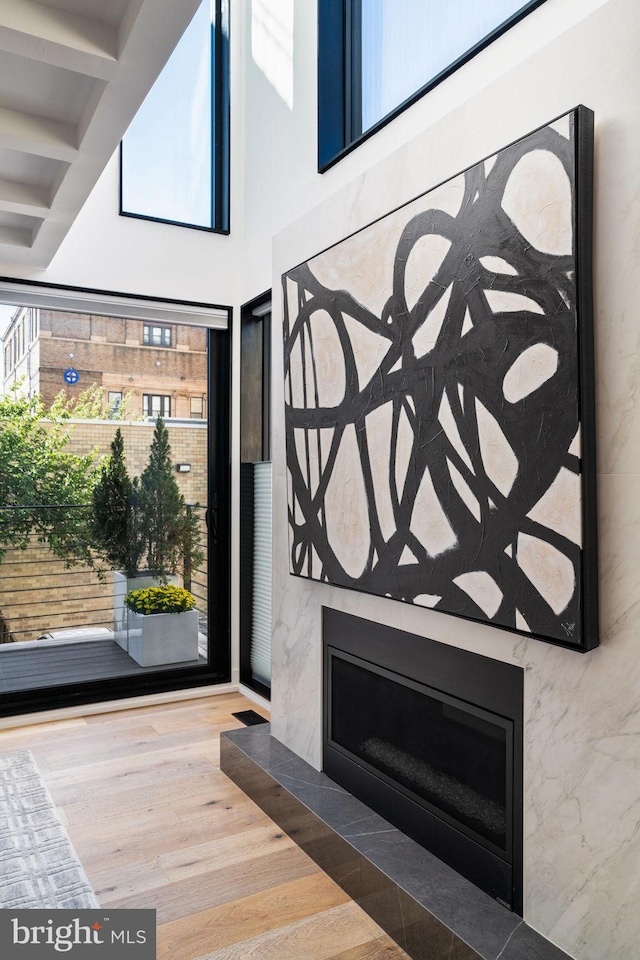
pixel 167 148
pixel 5 316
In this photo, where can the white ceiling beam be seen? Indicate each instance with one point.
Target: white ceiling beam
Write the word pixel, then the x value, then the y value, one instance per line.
pixel 14 240
pixel 37 135
pixel 90 108
pixel 128 23
pixel 58 38
pixel 140 43
pixel 25 198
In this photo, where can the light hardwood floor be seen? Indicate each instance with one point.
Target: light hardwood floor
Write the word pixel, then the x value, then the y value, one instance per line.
pixel 156 824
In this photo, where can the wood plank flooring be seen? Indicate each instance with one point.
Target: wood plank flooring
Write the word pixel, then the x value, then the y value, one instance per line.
pixel 156 824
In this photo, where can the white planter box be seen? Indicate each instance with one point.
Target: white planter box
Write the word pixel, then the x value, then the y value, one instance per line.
pixel 121 587
pixel 163 637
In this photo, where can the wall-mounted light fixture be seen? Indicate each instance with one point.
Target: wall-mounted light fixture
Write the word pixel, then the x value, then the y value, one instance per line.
pixel 183 468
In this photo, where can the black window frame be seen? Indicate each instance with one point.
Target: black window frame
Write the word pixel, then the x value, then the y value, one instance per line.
pixel 147 335
pixel 220 113
pixel 255 410
pixel 218 518
pixel 147 410
pixel 340 77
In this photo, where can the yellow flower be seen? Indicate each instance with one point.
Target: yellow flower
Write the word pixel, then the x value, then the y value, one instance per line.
pixel 165 599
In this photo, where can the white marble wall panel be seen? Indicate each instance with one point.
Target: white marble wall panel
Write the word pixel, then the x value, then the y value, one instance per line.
pixel 582 712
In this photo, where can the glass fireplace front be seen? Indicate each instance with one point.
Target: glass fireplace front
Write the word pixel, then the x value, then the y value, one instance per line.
pixel 444 768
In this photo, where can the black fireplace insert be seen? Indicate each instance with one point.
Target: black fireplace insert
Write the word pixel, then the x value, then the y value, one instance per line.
pixel 429 736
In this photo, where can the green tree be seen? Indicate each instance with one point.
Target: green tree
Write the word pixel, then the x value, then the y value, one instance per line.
pixel 45 491
pixel 90 405
pixel 116 513
pixel 162 507
pixel 190 543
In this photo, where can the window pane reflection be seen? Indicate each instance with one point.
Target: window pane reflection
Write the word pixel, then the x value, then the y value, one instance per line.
pixel 407 43
pixel 167 150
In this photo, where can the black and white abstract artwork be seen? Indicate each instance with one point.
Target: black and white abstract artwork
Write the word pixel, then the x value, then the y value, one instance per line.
pixel 439 397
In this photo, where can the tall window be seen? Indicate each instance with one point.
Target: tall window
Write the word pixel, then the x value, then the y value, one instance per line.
pixel 62 510
pixel 377 56
pixel 114 402
pixel 174 156
pixel 255 496
pixel 156 405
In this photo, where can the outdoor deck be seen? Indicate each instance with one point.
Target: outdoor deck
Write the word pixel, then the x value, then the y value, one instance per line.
pixel 48 666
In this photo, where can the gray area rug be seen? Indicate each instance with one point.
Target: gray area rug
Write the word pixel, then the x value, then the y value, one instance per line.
pixel 38 866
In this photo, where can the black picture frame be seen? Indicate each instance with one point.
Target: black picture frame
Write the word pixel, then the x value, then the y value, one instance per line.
pixel 512 468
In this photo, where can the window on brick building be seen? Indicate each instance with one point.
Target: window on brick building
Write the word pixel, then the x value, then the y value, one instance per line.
pixel 114 402
pixel 156 405
pixel 197 408
pixel 154 335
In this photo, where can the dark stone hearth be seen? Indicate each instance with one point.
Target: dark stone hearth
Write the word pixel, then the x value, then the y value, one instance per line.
pixel 430 910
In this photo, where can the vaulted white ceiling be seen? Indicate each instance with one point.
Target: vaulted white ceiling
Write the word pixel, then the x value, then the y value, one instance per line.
pixel 73 74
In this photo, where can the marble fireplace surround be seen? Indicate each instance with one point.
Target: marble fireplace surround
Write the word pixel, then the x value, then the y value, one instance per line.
pixel 426 907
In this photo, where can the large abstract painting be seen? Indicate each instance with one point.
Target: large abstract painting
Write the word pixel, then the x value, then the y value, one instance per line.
pixel 439 397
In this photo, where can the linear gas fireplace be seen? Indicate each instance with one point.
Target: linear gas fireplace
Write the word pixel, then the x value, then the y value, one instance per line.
pixel 430 737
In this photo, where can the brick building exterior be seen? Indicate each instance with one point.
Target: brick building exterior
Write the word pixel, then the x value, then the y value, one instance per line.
pixel 161 366
pixel 188 445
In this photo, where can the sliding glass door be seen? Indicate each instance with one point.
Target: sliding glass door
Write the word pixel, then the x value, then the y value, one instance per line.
pixel 114 501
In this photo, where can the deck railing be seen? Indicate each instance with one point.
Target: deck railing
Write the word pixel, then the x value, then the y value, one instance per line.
pixel 42 592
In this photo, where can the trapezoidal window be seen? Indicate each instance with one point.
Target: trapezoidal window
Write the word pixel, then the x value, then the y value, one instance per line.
pixel 174 156
pixel 376 57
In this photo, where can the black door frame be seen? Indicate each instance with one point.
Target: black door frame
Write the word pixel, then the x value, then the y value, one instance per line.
pixel 218 670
